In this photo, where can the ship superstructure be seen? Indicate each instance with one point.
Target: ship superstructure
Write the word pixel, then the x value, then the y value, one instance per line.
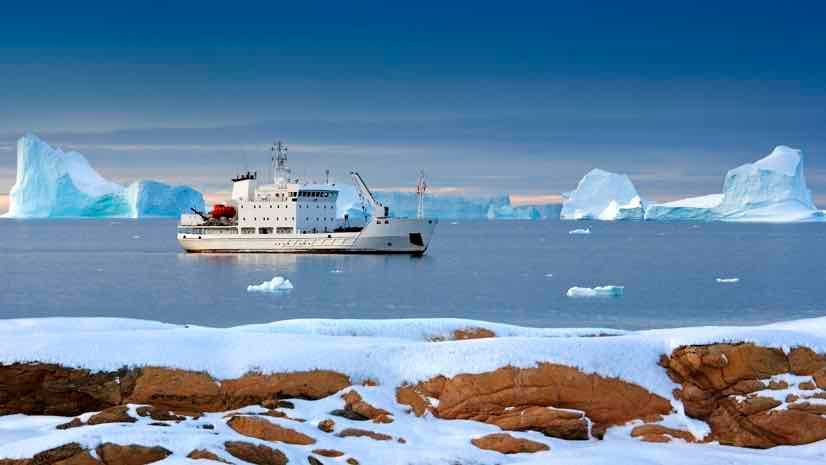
pixel 292 217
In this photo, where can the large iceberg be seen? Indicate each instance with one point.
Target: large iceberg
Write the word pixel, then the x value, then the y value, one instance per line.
pixel 52 183
pixel 772 189
pixel 602 195
pixel 444 206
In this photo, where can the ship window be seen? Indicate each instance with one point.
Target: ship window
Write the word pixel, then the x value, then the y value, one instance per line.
pixel 247 230
pixel 378 222
pixel 264 230
pixel 416 239
pixel 386 222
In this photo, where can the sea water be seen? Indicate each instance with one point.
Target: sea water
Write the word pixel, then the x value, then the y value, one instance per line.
pixel 506 271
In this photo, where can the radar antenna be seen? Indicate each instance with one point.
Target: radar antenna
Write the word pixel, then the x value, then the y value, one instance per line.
pixel 421 188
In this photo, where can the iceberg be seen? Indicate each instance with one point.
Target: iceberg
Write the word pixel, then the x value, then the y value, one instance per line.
pixel 602 195
pixel 51 183
pixel 599 291
pixel 443 206
pixel 276 284
pixel 580 231
pixel 772 189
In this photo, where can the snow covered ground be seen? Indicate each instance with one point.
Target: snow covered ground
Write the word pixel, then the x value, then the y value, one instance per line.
pixel 390 353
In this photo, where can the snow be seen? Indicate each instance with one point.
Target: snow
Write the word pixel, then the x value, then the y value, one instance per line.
pixel 602 195
pixel 599 291
pixel 276 284
pixel 580 231
pixel 389 352
pixel 53 183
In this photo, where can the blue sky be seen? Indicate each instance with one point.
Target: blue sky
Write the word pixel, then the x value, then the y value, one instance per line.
pixel 522 97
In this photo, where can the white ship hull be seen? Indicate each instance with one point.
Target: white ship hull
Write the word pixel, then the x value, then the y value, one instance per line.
pixel 381 236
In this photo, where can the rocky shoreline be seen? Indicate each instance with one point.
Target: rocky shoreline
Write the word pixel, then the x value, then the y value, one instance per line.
pixel 737 394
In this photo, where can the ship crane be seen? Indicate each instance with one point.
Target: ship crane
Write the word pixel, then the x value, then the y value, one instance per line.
pixel 379 210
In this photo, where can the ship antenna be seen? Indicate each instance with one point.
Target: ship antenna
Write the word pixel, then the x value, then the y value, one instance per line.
pixel 421 188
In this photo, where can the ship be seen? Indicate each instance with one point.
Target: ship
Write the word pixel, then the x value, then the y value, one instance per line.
pixel 289 216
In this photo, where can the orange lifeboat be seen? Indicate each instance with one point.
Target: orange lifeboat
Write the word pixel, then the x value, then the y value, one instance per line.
pixel 222 211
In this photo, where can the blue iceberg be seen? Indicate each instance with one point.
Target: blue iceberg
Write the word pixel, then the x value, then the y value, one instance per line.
pixel 52 183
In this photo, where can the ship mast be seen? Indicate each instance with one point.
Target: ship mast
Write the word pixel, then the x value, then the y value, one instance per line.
pixel 279 159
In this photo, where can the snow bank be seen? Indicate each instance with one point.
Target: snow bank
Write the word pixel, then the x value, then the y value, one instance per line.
pixel 276 284
pixel 53 183
pixel 599 291
pixel 602 195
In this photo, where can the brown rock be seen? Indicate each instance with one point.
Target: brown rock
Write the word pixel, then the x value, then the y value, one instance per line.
pixel 114 454
pixel 203 454
pixel 506 444
pixel 255 388
pixel 119 414
pixel 83 458
pixel 408 395
pixel 745 386
pixel 804 361
pixel 817 409
pixel 472 333
pixel 562 424
pixel 354 403
pixel 257 454
pixel 73 423
pixel 48 389
pixel 807 386
pixel 260 428
pixel 743 362
pixel 791 427
pixel 328 452
pixel 778 385
pixel 327 425
pixel 820 378
pixel 652 433
pixel 58 454
pixel 606 401
pixel 754 405
pixel 314 461
pixel 352 461
pixel 358 433
pixel 792 398
pixel 174 389
pixel 159 414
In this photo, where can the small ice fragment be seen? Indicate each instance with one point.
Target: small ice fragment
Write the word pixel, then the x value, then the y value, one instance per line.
pixel 454 222
pixel 136 237
pixel 277 284
pixel 580 231
pixel 599 291
pixel 549 275
pixel 728 280
pixel 336 271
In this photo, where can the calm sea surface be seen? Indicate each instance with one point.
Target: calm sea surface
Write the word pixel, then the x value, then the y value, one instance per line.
pixel 507 271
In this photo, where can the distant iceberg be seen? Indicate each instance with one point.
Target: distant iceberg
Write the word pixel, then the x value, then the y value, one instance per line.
pixel 599 291
pixel 580 231
pixel 445 206
pixel 52 183
pixel 602 195
pixel 772 189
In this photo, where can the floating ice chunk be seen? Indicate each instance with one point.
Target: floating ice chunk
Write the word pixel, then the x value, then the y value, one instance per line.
pixel 728 280
pixel 580 231
pixel 599 291
pixel 549 275
pixel 277 284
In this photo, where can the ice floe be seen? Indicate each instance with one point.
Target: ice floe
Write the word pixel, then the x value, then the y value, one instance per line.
pixel 599 291
pixel 276 284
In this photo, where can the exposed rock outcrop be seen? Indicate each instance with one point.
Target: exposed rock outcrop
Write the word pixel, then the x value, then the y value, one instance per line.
pixel 260 428
pixel 659 433
pixel 506 444
pixel 359 433
pixel 354 403
pixel 498 397
pixel 714 378
pixel 203 454
pixel 257 454
pixel 112 454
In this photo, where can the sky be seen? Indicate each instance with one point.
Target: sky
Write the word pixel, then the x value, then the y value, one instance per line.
pixel 486 97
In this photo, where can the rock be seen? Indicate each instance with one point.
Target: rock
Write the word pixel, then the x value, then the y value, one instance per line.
pixel 472 333
pixel 714 394
pixel 83 458
pixel 285 404
pixel 115 454
pixel 506 444
pixel 487 396
pixel 778 385
pixel 257 454
pixel 260 428
pixel 173 389
pixel 58 454
pixel 807 386
pixel 254 388
pixel 408 395
pixel 354 403
pixel 817 409
pixel 654 433
pixel 358 433
pixel 349 414
pixel 119 414
pixel 327 425
pixel 48 389
pixel 803 361
pixel 791 398
pixel 820 378
pixel 74 423
pixel 203 454
pixel 563 424
pixel 159 414
pixel 314 461
pixel 352 461
pixel 328 452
